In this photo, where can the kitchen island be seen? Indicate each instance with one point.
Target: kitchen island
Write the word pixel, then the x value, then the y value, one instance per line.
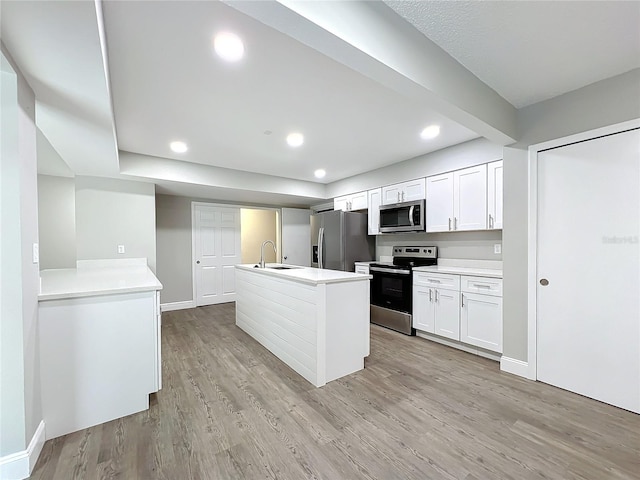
pixel 99 333
pixel 314 320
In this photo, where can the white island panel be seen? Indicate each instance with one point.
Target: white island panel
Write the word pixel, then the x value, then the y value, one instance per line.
pixel 317 323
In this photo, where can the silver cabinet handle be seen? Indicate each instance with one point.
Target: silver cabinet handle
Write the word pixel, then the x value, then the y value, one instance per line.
pixel 462 294
pixel 490 221
pixel 481 285
pixel 398 195
pixel 433 280
pixel 449 224
pixel 403 196
pixel 455 223
pixel 436 295
pixel 430 297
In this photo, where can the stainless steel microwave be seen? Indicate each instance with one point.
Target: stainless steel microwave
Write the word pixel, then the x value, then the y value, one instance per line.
pixel 402 217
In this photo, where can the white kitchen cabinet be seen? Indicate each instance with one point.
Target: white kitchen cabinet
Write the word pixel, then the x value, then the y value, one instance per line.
pixel 361 267
pixel 494 195
pixel 374 201
pixel 354 201
pixel 404 192
pixel 457 201
pixel 470 198
pixel 439 209
pixel 423 310
pixel 436 304
pixel 481 313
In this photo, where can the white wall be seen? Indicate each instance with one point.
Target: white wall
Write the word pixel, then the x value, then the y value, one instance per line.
pixel 20 408
pixel 465 245
pixel 57 221
pixel 112 212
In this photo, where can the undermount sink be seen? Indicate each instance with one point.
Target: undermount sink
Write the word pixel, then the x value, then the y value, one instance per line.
pixel 279 267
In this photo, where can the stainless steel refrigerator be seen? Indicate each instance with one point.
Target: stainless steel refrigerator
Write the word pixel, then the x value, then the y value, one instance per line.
pixel 338 239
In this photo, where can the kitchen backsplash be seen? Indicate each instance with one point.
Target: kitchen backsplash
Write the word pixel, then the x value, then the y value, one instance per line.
pixel 460 245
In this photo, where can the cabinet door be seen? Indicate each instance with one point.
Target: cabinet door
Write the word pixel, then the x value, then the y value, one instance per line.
pixel 481 321
pixel 413 190
pixel 374 200
pixel 494 195
pixel 447 313
pixel 423 308
pixel 439 208
pixel 470 198
pixel 341 203
pixel 391 194
pixel 358 201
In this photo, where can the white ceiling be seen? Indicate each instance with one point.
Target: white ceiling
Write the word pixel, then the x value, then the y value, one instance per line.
pixel 172 87
pixel 360 91
pixel 530 51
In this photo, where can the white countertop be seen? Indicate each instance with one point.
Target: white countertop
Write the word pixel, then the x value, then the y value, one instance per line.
pixel 365 263
pixel 313 276
pixel 476 272
pixel 92 281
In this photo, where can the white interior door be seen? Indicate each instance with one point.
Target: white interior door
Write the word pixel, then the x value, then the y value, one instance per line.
pixel 588 256
pixel 296 236
pixel 216 251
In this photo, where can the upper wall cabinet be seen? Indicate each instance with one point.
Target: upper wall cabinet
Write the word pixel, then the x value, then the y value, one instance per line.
pixel 457 201
pixel 403 192
pixel 355 201
pixel 494 195
pixel 375 198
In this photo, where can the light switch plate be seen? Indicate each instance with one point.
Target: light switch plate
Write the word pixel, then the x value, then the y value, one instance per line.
pixel 497 248
pixel 36 253
pixel 120 248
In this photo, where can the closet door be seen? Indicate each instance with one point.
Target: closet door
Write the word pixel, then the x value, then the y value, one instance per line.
pixel 589 268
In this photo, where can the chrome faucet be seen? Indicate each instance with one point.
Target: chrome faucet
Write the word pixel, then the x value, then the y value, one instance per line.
pixel 262 251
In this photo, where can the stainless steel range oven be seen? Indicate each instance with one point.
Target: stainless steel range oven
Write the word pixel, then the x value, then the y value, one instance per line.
pixel 392 287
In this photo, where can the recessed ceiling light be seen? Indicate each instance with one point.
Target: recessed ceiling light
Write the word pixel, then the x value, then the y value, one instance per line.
pixel 432 131
pixel 228 46
pixel 295 139
pixel 178 147
pixel 320 173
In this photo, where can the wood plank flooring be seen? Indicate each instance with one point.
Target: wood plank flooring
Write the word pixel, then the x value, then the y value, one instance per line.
pixel 229 409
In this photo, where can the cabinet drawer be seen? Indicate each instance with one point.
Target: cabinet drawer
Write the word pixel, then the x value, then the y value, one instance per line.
pixel 362 269
pixel 484 285
pixel 439 280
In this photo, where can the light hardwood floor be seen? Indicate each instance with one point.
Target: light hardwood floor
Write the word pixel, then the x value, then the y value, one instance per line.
pixel 229 409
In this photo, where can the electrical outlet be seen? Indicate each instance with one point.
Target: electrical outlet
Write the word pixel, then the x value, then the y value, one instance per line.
pixel 120 248
pixel 36 253
pixel 497 248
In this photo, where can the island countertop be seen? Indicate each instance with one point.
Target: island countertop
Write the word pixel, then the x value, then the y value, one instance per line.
pixel 89 280
pixel 308 275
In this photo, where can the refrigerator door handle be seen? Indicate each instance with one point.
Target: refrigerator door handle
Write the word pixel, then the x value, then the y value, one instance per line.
pixel 320 247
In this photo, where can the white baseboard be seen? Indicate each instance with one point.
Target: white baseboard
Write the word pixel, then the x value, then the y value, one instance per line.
pixel 169 307
pixel 19 465
pixel 514 366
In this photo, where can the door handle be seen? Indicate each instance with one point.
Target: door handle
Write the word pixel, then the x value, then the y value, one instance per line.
pixel 411 215
pixel 285 257
pixel 198 262
pixel 544 282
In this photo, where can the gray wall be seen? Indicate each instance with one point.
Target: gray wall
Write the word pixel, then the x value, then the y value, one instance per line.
pixel 604 103
pixel 173 241
pixel 20 397
pixel 112 212
pixel 465 245
pixel 57 221
pixel 468 154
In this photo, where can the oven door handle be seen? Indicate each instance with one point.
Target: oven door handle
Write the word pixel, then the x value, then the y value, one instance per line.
pixel 390 270
pixel 411 215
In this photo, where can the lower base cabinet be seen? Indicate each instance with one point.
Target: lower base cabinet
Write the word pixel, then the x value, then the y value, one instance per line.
pixel 449 306
pixel 481 321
